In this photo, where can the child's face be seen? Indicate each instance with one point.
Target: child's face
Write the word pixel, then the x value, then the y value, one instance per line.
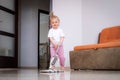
pixel 55 23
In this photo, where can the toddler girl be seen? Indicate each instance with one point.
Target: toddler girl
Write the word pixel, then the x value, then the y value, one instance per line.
pixel 56 37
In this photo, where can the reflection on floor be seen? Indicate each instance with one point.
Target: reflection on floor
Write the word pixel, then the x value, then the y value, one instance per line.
pixel 32 74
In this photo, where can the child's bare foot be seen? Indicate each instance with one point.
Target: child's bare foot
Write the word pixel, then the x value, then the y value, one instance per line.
pixel 62 68
pixel 53 67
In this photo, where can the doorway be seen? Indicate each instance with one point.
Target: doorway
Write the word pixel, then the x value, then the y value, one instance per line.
pixel 43 42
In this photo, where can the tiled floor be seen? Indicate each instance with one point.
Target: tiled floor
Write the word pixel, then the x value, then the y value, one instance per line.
pixel 29 74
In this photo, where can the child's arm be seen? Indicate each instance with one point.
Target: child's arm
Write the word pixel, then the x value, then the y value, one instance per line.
pixel 53 42
pixel 61 41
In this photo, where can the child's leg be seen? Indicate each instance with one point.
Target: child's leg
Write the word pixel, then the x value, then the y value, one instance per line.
pixel 61 56
pixel 52 53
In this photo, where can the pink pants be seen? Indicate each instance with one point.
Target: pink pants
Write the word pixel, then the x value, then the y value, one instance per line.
pixel 60 54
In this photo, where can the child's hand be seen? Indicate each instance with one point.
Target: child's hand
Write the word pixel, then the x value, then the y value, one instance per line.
pixel 55 46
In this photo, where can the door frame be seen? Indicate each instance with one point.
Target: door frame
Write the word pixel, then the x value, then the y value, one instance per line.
pixel 46 12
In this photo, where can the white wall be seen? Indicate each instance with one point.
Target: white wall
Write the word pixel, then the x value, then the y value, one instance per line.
pixel 29 31
pixel 96 15
pixel 82 20
pixel 69 12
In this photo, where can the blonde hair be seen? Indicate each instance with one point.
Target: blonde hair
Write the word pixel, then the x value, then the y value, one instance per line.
pixel 52 16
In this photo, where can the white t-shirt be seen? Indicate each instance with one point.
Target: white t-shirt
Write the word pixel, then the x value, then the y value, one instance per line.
pixel 56 34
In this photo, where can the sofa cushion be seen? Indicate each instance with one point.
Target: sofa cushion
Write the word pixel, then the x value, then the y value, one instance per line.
pixel 115 43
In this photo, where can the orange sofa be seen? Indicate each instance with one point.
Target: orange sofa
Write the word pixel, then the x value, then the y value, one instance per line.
pixel 104 55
